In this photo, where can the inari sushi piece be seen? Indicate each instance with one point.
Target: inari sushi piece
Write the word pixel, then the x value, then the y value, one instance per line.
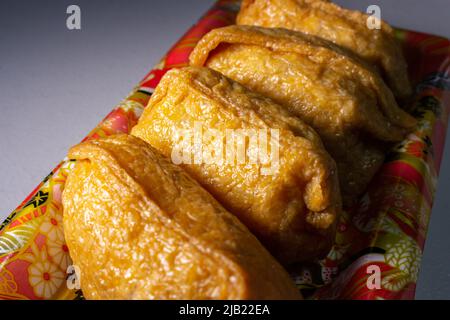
pixel 264 165
pixel 349 106
pixel 139 227
pixel 346 28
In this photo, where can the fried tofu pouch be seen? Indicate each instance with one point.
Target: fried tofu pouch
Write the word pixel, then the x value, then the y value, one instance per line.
pixel 346 28
pixel 293 209
pixel 139 227
pixel 346 103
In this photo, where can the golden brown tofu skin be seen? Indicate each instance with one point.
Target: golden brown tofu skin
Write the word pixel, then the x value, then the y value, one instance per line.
pixel 139 227
pixel 292 210
pixel 344 101
pixel 346 28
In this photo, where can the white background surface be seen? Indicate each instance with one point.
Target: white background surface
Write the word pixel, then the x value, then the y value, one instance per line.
pixel 56 85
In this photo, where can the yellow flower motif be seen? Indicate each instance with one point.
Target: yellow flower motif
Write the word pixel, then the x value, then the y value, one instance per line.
pixel 52 225
pixel 59 253
pixel 44 276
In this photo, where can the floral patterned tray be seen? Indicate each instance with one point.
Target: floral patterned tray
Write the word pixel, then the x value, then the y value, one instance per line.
pixel 386 230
